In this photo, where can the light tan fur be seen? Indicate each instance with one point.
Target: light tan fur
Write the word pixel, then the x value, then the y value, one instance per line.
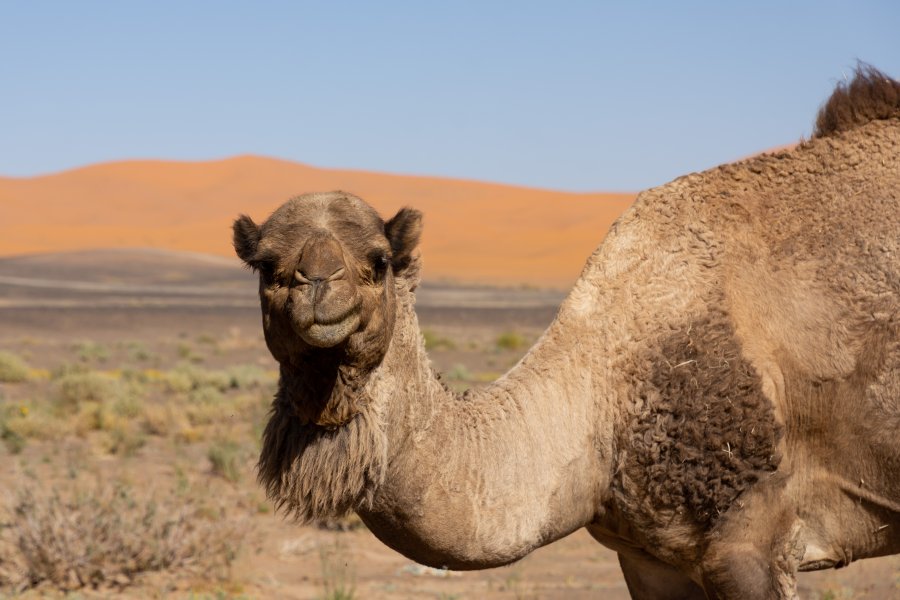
pixel 718 399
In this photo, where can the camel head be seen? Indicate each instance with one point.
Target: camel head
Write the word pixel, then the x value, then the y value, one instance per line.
pixel 327 265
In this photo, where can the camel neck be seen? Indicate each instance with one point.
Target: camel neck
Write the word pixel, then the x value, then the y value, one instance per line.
pixel 505 466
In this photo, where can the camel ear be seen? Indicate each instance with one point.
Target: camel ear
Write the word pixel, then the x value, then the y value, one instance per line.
pixel 246 238
pixel 403 232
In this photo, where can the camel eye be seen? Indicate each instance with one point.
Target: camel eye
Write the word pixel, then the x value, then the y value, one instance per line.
pixel 266 270
pixel 380 264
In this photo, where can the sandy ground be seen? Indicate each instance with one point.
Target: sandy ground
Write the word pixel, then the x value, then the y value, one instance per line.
pixel 49 305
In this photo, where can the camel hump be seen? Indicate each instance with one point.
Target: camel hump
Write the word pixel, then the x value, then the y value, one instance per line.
pixel 869 96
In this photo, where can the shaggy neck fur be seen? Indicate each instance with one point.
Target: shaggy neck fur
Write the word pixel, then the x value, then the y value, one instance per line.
pixel 313 472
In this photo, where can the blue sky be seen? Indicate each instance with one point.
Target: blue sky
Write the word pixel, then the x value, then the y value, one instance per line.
pixel 586 96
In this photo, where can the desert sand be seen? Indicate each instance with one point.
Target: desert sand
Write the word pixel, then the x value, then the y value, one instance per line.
pixel 475 232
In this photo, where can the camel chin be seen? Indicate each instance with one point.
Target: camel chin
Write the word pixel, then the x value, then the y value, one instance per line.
pixel 328 335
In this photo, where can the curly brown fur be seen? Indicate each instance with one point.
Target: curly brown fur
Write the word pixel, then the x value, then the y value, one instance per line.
pixel 706 432
pixel 869 96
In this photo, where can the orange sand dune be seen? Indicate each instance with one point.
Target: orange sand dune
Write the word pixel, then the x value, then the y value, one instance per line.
pixel 474 232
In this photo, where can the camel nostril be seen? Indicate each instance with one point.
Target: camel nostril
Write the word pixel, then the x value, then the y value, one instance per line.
pixel 306 279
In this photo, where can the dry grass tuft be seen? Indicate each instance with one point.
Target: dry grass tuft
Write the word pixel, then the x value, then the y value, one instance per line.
pixel 338 578
pixel 106 536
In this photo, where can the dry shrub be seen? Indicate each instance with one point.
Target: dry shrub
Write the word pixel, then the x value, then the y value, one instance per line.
pixel 252 405
pixel 163 419
pixel 14 442
pixel 90 351
pixel 74 389
pixel 190 435
pixel 205 413
pixel 124 437
pixel 107 536
pixel 187 377
pixel 12 439
pixel 206 394
pixel 178 381
pixel 137 350
pixel 34 424
pixel 250 376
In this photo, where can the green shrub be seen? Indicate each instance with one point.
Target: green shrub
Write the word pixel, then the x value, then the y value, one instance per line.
pixel 129 404
pixel 206 394
pixel 68 369
pixel 510 340
pixel 225 456
pixel 248 376
pixel 24 422
pixel 12 368
pixel 88 351
pixel 124 438
pixel 138 351
pixel 186 352
pixel 433 341
pixel 178 381
pixel 186 377
pixel 459 372
pixel 207 339
pixel 12 439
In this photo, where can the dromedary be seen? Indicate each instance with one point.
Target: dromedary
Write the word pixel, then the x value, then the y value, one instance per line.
pixel 718 399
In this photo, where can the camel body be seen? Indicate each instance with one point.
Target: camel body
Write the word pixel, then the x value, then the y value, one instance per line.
pixel 717 400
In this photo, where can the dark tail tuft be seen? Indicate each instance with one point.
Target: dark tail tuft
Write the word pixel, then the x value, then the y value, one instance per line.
pixel 869 96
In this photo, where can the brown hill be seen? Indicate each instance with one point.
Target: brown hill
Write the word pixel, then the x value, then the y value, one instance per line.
pixel 474 232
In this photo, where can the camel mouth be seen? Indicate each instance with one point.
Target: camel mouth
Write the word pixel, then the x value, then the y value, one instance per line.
pixel 332 333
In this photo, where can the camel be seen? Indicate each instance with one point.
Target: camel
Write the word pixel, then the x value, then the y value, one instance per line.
pixel 717 399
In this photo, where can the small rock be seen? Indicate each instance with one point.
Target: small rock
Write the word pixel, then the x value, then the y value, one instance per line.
pixel 423 571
